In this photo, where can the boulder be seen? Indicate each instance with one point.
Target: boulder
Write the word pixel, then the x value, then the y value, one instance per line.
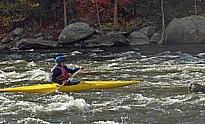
pixel 36 44
pixel 186 30
pixel 138 38
pixel 75 32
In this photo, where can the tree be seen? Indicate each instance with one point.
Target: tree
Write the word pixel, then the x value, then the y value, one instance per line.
pixel 98 15
pixel 115 15
pixel 116 3
pixel 163 23
pixel 65 2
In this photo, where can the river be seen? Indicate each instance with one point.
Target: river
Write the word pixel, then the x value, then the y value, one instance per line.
pixel 162 96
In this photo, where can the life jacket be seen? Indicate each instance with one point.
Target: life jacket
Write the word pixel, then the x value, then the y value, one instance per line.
pixel 64 75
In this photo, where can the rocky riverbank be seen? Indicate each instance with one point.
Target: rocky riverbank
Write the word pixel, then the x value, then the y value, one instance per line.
pixel 79 34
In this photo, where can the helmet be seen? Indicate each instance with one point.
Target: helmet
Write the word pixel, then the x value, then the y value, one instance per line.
pixel 60 59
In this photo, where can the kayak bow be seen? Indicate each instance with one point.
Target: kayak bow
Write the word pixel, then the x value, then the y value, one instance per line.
pixel 83 85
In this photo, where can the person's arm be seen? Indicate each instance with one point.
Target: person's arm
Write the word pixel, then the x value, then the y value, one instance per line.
pixel 72 70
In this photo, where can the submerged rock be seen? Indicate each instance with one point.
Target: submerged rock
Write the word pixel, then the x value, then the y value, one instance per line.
pixel 197 87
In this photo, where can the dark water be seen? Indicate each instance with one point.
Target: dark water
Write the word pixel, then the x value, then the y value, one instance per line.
pixel 162 97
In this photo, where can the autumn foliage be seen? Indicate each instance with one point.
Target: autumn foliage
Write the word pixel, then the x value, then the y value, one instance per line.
pixel 88 9
pixel 105 2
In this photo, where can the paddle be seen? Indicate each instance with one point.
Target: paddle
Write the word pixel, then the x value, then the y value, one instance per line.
pixel 68 80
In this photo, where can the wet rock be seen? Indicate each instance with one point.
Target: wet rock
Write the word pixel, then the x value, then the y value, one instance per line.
pixel 36 44
pixel 186 30
pixel 156 37
pixel 75 32
pixel 197 87
pixel 106 40
pixel 44 36
pixel 18 32
pixel 138 38
pixel 117 38
pixel 97 41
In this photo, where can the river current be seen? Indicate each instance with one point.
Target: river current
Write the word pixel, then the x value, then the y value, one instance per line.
pixel 162 96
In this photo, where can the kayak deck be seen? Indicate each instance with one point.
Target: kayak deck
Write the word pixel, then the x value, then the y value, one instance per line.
pixel 83 85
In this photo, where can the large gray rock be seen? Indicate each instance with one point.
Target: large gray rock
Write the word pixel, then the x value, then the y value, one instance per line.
pixel 36 44
pixel 186 30
pixel 138 38
pixel 75 32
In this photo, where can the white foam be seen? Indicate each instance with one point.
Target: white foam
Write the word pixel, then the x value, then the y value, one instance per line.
pixel 65 103
pixel 38 74
pixel 31 64
pixel 76 53
pixel 30 120
pixel 55 105
pixel 120 108
pixel 62 106
pixel 106 122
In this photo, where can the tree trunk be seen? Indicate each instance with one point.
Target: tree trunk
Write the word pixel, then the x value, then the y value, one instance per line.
pixel 195 7
pixel 98 15
pixel 163 23
pixel 115 15
pixel 65 12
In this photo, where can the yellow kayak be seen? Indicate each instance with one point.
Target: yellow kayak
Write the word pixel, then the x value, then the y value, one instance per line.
pixel 83 85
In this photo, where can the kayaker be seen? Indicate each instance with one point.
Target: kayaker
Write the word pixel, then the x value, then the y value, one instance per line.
pixel 61 73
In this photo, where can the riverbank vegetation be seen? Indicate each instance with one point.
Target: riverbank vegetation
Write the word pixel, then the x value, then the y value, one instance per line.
pixel 52 15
